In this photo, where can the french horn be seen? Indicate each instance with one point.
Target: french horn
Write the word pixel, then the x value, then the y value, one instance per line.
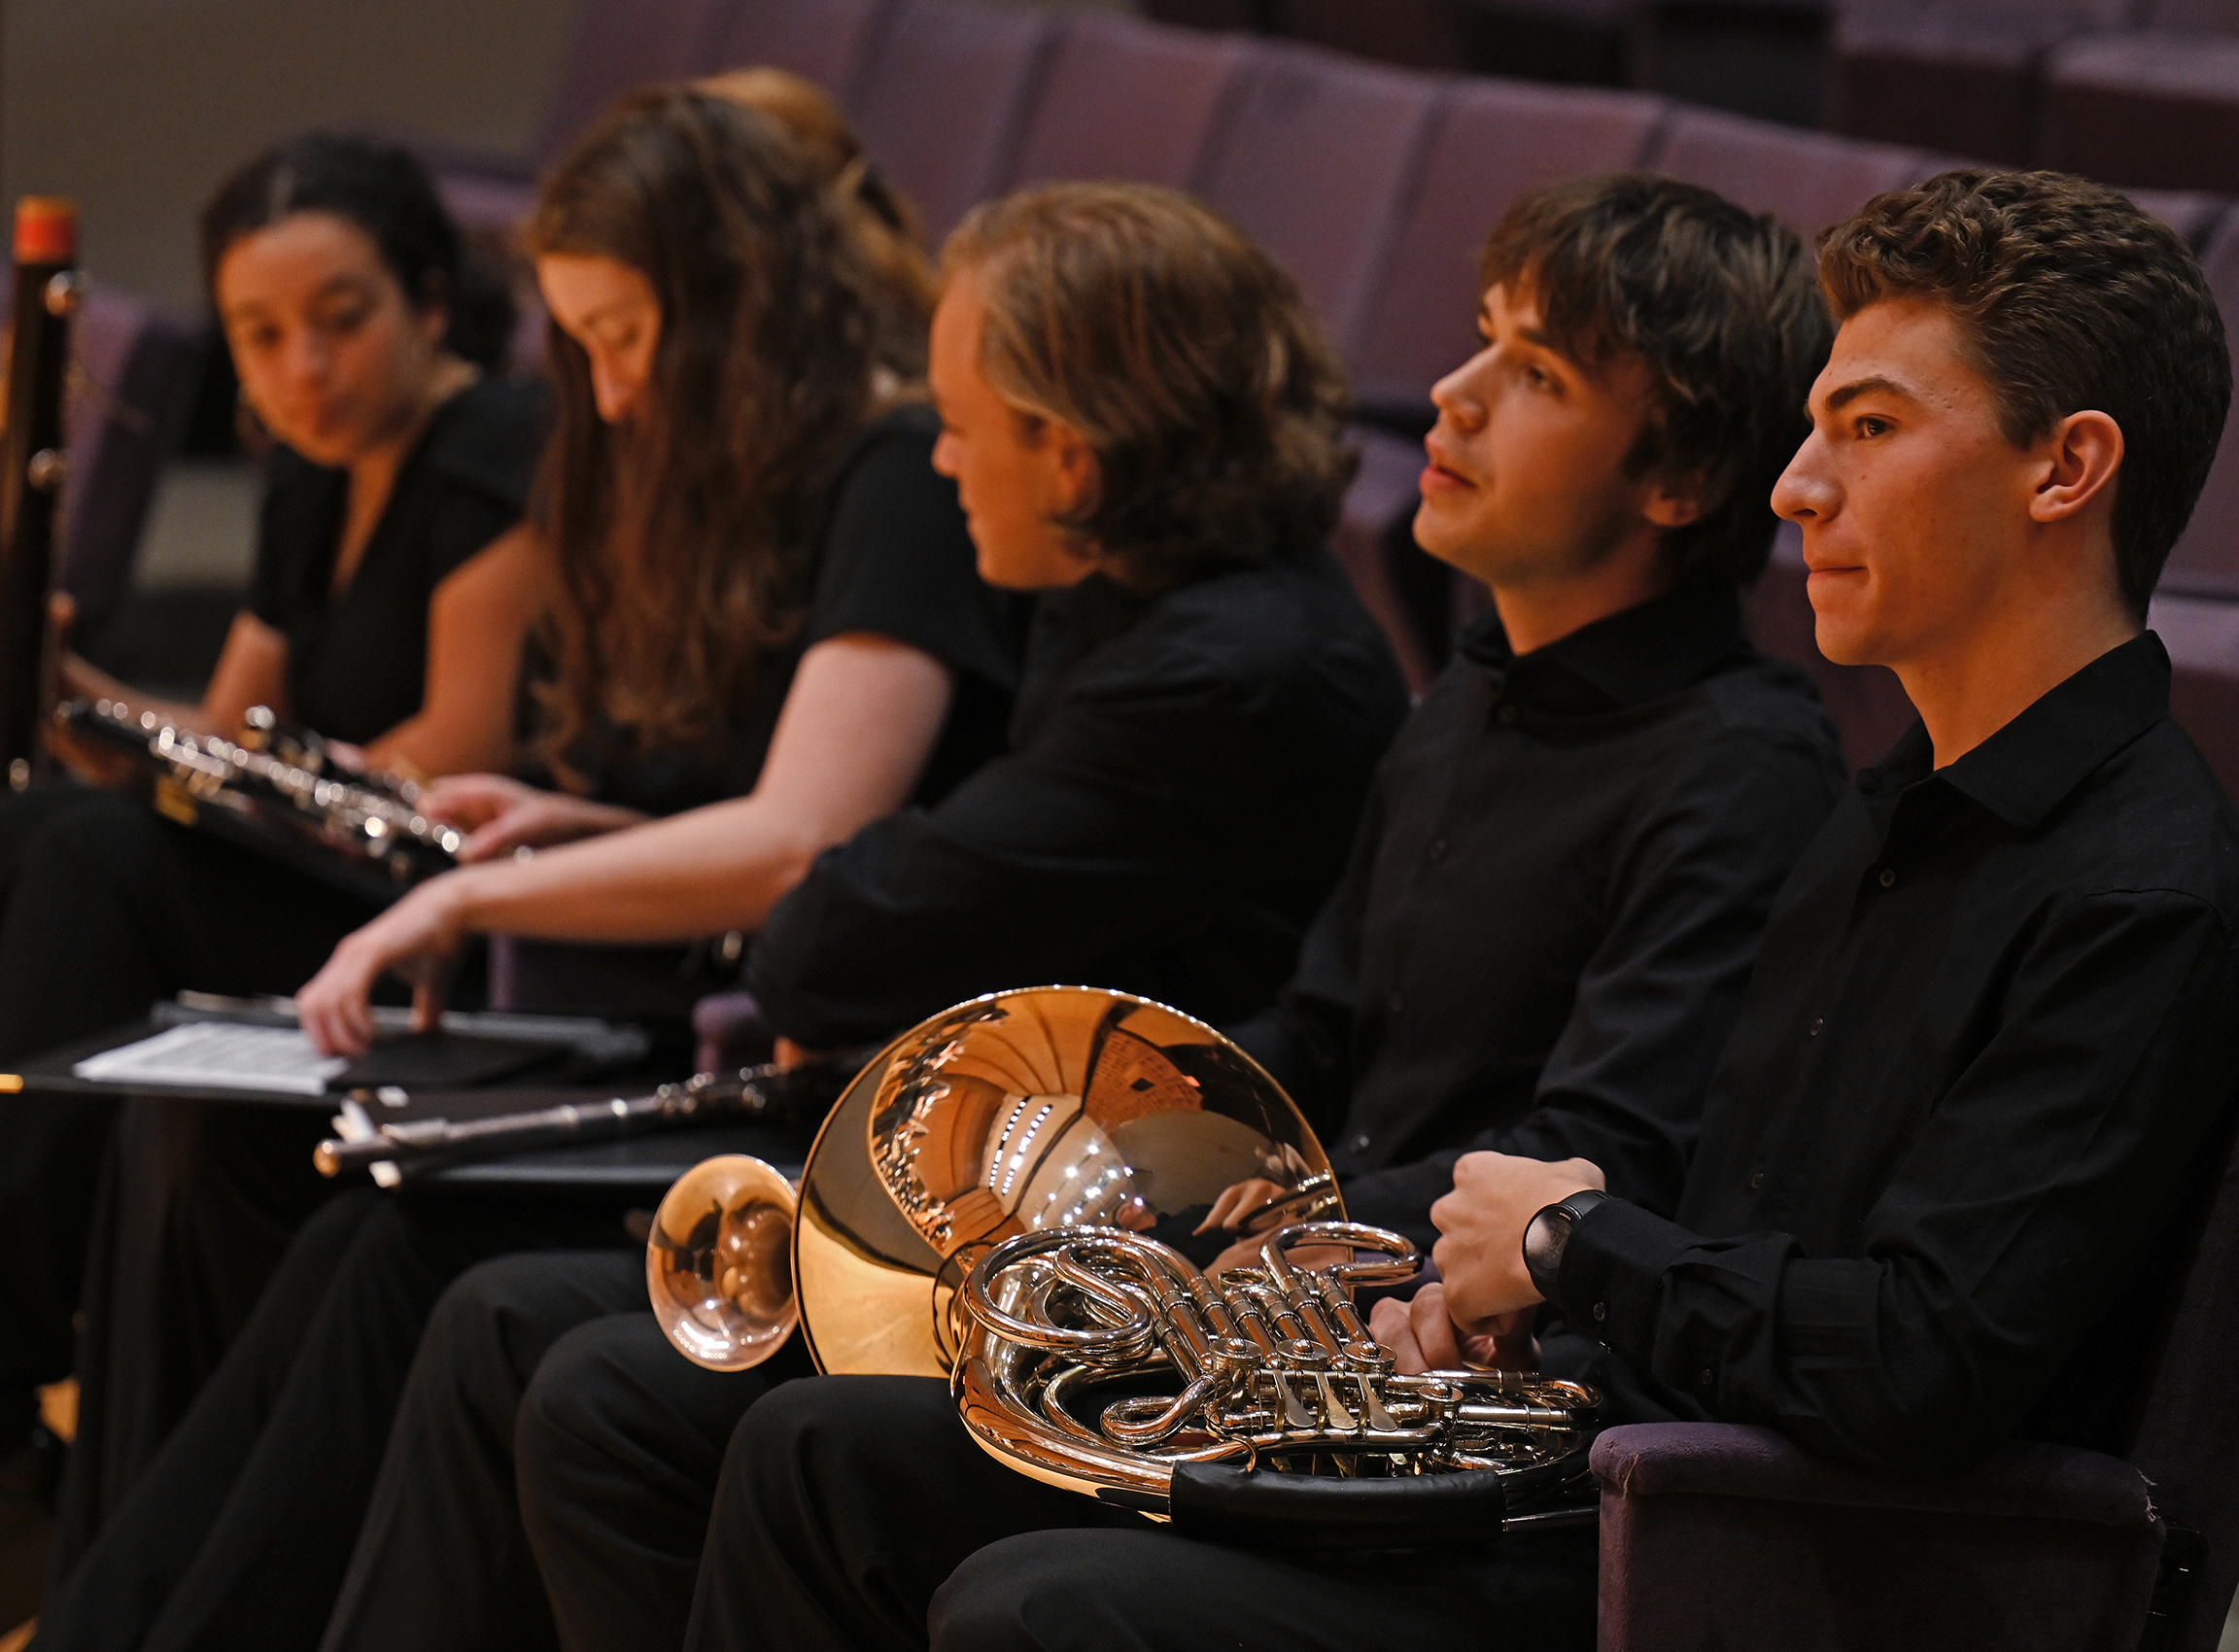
pixel 1008 1196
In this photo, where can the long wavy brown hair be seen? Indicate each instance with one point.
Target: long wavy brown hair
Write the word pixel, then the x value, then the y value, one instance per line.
pixel 683 538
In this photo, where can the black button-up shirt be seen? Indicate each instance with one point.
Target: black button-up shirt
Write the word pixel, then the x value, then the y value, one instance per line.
pixel 1184 779
pixel 1547 924
pixel 1988 1056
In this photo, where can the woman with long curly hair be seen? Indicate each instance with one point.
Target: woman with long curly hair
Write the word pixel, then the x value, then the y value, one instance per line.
pixel 756 590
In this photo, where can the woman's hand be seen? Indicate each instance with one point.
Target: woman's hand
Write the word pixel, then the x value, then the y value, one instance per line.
pixel 1421 1336
pixel 418 939
pixel 501 814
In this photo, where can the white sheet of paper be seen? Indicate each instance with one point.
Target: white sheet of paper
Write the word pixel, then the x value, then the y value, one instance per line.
pixel 219 1055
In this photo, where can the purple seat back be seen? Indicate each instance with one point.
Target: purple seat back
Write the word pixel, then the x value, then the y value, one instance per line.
pixel 1491 142
pixel 2159 109
pixel 1124 100
pixel 621 44
pixel 129 397
pixel 2208 17
pixel 1960 76
pixel 1808 179
pixel 1720 1535
pixel 2206 560
pixel 825 40
pixel 939 104
pixel 1315 164
pixel 2187 1436
pixel 1419 34
pixel 2191 213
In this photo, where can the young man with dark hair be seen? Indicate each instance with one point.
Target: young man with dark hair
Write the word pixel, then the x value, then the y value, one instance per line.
pixel 1986 1066
pixel 1555 900
pixel 1549 915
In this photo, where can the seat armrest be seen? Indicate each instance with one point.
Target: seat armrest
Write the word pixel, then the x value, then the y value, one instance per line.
pixel 1730 1460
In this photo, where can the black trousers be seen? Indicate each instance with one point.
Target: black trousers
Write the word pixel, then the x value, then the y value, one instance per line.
pixel 108 907
pixel 238 1533
pixel 857 1513
pixel 551 1471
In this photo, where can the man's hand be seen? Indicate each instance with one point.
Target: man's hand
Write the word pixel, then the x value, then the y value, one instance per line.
pixel 501 814
pixel 1242 1208
pixel 417 938
pixel 1481 1223
pixel 1422 1336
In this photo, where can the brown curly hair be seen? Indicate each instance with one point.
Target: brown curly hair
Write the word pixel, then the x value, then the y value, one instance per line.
pixel 1182 355
pixel 683 538
pixel 1722 306
pixel 2069 297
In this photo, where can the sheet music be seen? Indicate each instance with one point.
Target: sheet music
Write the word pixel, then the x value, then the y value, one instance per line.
pixel 219 1055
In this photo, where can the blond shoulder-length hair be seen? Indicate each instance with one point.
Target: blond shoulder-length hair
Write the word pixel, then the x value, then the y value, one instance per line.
pixel 1181 352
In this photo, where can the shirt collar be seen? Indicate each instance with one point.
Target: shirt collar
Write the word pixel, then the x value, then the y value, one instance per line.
pixel 1628 658
pixel 2021 773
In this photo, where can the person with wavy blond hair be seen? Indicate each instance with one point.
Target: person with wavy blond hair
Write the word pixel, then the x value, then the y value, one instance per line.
pixel 1197 722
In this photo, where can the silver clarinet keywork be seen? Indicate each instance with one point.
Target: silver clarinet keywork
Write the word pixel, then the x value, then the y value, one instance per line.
pixel 277 779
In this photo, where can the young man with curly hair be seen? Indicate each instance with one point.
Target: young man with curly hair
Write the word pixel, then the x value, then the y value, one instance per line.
pixel 1975 1095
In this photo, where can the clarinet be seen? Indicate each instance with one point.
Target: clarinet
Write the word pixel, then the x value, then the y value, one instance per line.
pixel 283 775
pixel 765 1094
pixel 31 471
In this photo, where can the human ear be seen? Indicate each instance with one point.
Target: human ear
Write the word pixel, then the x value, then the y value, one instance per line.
pixel 1673 504
pixel 1074 472
pixel 2082 455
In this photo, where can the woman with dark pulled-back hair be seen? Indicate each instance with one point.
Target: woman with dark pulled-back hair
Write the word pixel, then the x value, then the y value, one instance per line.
pixel 385 608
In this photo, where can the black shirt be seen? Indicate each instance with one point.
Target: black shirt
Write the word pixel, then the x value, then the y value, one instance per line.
pixel 1548 922
pixel 1988 1055
pixel 358 660
pixel 896 561
pixel 1185 775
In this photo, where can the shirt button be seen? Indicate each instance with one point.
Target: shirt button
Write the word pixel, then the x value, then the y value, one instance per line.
pixel 1756 1180
pixel 1396 1002
pixel 1506 713
pixel 1888 878
pixel 1600 1311
pixel 1817 1021
pixel 1361 1141
pixel 1704 1376
pixel 1439 848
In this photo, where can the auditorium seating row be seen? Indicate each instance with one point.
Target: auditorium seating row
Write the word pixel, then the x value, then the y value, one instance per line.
pixel 1375 186
pixel 2141 93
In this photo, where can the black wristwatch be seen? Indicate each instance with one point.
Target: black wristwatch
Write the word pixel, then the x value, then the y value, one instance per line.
pixel 1549 1233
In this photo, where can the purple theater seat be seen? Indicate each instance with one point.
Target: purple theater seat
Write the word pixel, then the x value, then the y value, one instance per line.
pixel 1385 489
pixel 2206 560
pixel 1720 1535
pixel 2202 634
pixel 1962 78
pixel 941 102
pixel 1415 34
pixel 629 983
pixel 1315 164
pixel 1127 99
pixel 1209 13
pixel 1867 703
pixel 1809 180
pixel 729 1032
pixel 2193 214
pixel 1490 141
pixel 2151 109
pixel 1728 1537
pixel 825 40
pixel 620 44
pixel 132 388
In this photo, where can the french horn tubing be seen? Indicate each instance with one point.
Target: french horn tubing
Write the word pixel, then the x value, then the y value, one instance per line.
pixel 1006 1196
